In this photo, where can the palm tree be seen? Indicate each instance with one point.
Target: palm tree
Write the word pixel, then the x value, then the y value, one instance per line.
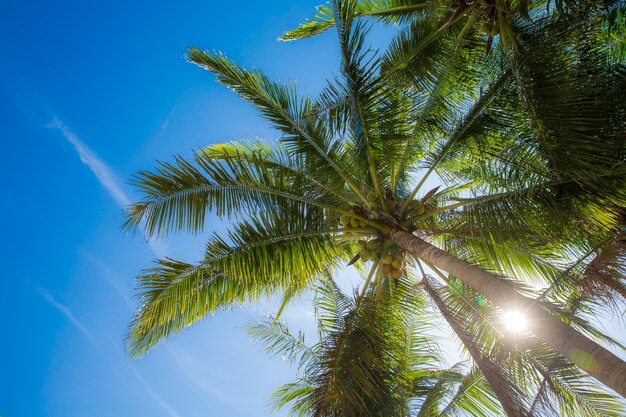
pixel 342 180
pixel 374 356
pixel 530 378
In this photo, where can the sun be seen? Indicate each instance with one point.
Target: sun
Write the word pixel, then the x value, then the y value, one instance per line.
pixel 515 321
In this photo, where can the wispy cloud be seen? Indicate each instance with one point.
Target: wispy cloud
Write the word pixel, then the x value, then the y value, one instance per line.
pixel 112 278
pixel 63 309
pixel 198 373
pixel 207 379
pixel 152 393
pixel 95 164
pixel 103 173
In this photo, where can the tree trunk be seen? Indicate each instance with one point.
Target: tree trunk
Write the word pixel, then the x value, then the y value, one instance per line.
pixel 508 395
pixel 593 358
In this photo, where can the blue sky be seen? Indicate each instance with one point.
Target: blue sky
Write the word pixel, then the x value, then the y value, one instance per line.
pixel 91 92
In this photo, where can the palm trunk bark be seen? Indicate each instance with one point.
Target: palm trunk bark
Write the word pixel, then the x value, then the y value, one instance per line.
pixel 598 361
pixel 508 395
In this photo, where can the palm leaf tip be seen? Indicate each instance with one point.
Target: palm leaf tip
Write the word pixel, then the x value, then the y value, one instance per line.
pixel 321 21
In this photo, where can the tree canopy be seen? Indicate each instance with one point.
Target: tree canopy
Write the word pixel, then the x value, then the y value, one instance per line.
pixel 525 145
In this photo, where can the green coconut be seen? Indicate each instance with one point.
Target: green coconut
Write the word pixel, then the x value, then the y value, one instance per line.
pixel 372 245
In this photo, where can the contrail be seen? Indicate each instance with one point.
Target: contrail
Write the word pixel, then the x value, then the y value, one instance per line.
pixel 142 380
pixel 46 295
pixel 95 164
pixel 155 396
pixel 103 173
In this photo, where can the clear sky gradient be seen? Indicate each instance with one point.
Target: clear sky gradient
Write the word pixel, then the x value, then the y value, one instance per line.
pixel 91 92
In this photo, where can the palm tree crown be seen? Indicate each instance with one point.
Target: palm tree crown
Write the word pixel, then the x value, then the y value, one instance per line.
pixel 526 144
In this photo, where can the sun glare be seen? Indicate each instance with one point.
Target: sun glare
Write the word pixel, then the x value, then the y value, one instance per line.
pixel 514 321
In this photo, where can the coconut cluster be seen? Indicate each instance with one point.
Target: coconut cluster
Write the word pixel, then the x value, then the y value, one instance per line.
pixel 417 209
pixel 392 259
pixel 368 251
pixel 348 222
pixel 394 265
pixel 372 245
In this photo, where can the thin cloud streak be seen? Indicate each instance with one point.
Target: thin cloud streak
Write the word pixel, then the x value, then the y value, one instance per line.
pixel 199 374
pixel 152 393
pixel 108 274
pixel 140 378
pixel 104 174
pixel 94 163
pixel 196 372
pixel 63 309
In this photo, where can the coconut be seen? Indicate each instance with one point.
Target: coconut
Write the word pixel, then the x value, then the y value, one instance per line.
pixel 344 220
pixel 365 254
pixel 354 222
pixel 396 273
pixel 396 263
pixel 371 196
pixel 373 256
pixel 387 259
pixel 387 269
pixel 361 245
pixel 373 205
pixel 372 245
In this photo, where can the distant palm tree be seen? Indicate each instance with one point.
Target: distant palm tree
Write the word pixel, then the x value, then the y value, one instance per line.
pixel 374 356
pixel 527 147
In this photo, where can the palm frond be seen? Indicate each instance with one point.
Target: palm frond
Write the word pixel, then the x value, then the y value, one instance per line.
pixel 389 11
pixel 277 340
pixel 281 105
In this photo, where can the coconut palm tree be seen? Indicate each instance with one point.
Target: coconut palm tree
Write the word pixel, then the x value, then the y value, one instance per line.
pixel 529 161
pixel 374 356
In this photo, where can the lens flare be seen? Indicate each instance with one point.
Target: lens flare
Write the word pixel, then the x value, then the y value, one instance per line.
pixel 583 359
pixel 514 321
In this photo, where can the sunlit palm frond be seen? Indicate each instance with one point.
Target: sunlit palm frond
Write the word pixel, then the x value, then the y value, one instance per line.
pixel 175 295
pixel 178 196
pixel 473 397
pixel 262 256
pixel 389 11
pixel 288 113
